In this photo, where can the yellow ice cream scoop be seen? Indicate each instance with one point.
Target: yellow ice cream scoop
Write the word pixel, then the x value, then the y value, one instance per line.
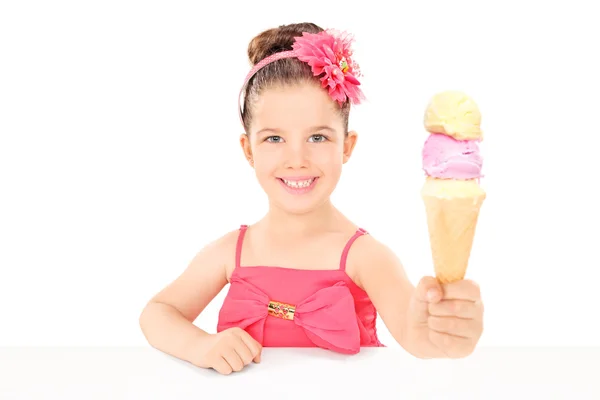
pixel 455 114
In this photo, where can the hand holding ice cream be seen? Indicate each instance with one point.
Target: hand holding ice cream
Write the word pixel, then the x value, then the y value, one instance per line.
pixel 447 318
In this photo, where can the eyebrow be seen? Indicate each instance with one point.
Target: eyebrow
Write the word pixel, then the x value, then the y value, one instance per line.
pixel 311 129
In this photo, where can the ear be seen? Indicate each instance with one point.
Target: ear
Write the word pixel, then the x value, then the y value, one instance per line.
pixel 349 143
pixel 246 148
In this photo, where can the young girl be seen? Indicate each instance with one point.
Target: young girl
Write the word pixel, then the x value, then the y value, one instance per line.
pixel 304 275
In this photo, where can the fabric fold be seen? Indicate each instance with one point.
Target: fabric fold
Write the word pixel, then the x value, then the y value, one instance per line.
pixel 327 316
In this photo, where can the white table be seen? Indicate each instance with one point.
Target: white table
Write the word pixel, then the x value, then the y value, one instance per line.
pixel 145 373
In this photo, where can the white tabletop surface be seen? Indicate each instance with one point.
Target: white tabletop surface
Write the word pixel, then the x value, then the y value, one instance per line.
pixel 375 373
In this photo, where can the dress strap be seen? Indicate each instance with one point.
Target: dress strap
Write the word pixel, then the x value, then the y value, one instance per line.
pixel 238 247
pixel 356 235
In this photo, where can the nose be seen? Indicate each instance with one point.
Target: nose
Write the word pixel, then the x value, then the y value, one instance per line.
pixel 296 155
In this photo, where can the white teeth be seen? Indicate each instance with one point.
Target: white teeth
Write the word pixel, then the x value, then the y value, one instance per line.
pixel 299 184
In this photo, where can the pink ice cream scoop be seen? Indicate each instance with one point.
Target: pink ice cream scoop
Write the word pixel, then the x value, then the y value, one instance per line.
pixel 447 158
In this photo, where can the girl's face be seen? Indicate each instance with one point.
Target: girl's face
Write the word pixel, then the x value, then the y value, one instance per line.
pixel 297 146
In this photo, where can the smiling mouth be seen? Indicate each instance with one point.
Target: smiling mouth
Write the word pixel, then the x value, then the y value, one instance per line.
pixel 298 184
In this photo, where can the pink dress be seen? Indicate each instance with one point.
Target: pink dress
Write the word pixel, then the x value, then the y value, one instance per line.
pixel 285 307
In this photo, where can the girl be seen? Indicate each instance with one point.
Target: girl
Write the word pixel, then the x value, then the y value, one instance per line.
pixel 304 275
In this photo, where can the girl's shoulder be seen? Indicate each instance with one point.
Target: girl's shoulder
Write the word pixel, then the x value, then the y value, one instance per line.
pixel 368 256
pixel 225 241
pixel 224 246
pixel 202 279
pixel 220 250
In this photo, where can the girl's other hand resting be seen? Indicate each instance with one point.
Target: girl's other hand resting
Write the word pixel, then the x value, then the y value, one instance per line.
pixel 227 351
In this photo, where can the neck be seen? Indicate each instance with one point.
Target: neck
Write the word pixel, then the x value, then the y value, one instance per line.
pixel 282 222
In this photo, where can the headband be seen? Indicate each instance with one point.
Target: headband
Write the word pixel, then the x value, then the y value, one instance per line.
pixel 329 53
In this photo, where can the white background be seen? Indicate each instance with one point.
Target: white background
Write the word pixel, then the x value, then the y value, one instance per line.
pixel 119 155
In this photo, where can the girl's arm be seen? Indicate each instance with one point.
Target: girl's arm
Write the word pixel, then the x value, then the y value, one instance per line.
pixel 375 268
pixel 167 320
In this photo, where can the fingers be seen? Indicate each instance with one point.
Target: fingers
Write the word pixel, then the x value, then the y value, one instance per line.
pixel 462 290
pixel 233 359
pixel 257 357
pixel 243 352
pixel 231 351
pixel 429 290
pixel 466 328
pixel 456 308
pixel 222 366
pixel 254 348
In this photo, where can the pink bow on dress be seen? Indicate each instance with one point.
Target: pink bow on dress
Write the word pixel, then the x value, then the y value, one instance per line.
pixel 328 316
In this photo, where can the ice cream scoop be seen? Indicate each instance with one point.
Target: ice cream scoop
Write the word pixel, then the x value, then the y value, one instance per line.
pixel 455 114
pixel 447 158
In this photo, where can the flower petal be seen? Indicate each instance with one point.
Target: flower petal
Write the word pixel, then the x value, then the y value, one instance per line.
pixel 329 53
pixel 350 78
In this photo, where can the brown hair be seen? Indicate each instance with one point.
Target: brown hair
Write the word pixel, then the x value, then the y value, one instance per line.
pixel 286 71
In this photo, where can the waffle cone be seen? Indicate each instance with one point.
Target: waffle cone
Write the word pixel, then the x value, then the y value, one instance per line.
pixel 452 223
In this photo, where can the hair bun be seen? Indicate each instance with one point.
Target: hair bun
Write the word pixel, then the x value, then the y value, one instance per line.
pixel 278 39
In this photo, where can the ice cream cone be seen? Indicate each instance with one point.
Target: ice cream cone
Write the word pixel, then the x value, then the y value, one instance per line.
pixel 452 209
pixel 453 198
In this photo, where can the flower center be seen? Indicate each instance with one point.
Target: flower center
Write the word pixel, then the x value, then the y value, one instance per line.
pixel 344 65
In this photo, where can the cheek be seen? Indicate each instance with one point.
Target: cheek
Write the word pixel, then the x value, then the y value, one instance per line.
pixel 265 165
pixel 328 158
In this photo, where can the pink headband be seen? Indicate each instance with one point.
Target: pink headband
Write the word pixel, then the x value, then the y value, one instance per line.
pixel 328 53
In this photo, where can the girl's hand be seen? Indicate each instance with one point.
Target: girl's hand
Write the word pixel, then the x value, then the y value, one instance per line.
pixel 227 351
pixel 448 316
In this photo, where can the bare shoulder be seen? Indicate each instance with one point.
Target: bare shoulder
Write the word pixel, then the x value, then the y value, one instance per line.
pixel 225 247
pixel 369 257
pixel 221 251
pixel 203 278
pixel 226 241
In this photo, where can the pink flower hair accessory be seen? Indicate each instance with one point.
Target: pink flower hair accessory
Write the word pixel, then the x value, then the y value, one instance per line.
pixel 329 54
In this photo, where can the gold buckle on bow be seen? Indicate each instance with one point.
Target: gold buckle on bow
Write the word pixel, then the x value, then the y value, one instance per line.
pixel 281 310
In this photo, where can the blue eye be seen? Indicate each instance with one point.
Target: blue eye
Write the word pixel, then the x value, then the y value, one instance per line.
pixel 319 138
pixel 273 139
